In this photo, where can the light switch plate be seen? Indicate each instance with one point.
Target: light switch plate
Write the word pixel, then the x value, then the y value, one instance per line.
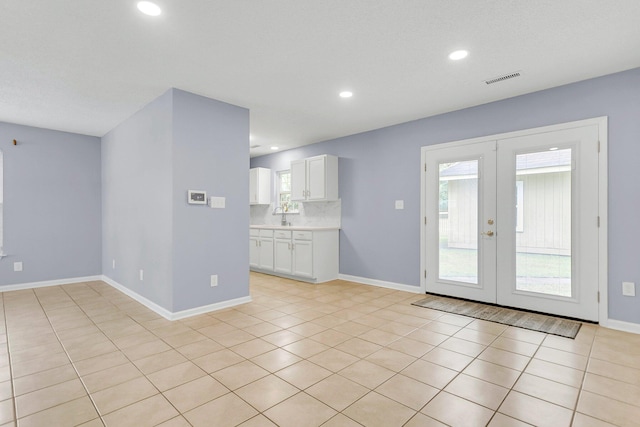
pixel 17 266
pixel 399 204
pixel 629 289
pixel 217 202
pixel 214 280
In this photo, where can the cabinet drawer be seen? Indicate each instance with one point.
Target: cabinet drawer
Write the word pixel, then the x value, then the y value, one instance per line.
pixel 266 233
pixel 303 235
pixel 254 232
pixel 282 234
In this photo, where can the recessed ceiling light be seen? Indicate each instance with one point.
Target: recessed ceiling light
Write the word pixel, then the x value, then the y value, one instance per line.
pixel 346 94
pixel 149 8
pixel 553 148
pixel 458 54
pixel 274 148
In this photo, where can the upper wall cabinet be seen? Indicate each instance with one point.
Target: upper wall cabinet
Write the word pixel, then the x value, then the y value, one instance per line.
pixel 315 179
pixel 259 186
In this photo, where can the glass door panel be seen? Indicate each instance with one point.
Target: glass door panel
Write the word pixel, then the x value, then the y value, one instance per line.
pixel 458 221
pixel 543 222
pixel 547 235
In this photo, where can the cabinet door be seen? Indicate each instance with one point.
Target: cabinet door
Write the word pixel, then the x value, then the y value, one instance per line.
pixel 266 254
pixel 253 186
pixel 254 252
pixel 264 186
pixel 303 258
pixel 282 256
pixel 298 179
pixel 316 178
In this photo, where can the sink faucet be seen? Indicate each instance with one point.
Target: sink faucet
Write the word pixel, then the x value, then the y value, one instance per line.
pixel 283 221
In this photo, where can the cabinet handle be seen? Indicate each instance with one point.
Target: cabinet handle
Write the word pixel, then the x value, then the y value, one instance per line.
pixel 293 245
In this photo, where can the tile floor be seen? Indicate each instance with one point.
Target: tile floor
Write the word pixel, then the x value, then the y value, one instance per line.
pixel 337 354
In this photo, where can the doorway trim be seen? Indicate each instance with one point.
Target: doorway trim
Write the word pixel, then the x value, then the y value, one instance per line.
pixel 602 123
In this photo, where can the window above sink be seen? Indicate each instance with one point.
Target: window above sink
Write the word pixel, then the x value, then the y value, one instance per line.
pixel 283 192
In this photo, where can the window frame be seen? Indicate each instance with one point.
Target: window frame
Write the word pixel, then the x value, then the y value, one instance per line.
pixel 293 207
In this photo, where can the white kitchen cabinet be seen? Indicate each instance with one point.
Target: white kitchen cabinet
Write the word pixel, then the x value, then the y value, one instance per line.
pixel 302 244
pixel 304 255
pixel 259 186
pixel 315 179
pixel 298 179
pixel 261 249
pixel 254 252
pixel 283 256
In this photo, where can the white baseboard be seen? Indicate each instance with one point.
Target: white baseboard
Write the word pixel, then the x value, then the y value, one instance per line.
pixel 380 283
pixel 136 296
pixel 622 326
pixel 169 315
pixel 46 283
pixel 211 307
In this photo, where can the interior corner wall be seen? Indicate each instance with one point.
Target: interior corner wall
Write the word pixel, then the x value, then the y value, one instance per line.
pixel 210 153
pixel 51 205
pixel 378 167
pixel 137 202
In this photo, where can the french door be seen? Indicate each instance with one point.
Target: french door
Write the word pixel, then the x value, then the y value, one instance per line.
pixel 514 220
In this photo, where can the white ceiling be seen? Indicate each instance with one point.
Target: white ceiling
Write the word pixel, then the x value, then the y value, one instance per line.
pixel 86 65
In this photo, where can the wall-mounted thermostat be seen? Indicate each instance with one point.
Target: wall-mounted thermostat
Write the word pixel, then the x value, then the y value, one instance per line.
pixel 197 197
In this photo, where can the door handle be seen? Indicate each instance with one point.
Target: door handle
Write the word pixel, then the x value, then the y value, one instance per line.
pixel 488 233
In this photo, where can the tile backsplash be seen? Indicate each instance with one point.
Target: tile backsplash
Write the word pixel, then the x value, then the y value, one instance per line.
pixel 312 214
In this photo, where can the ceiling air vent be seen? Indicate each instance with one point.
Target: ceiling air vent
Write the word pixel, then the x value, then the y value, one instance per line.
pixel 503 78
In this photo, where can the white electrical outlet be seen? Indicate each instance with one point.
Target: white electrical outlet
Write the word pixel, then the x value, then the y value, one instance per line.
pixel 141 274
pixel 629 289
pixel 399 204
pixel 17 266
pixel 214 280
pixel 113 264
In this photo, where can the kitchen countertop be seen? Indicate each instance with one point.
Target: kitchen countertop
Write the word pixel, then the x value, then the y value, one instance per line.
pixel 294 227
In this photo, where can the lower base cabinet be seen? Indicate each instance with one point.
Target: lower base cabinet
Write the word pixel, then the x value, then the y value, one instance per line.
pixel 302 258
pixel 283 259
pixel 300 254
pixel 261 249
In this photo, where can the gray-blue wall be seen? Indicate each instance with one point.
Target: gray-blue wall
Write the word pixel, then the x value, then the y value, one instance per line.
pixel 51 204
pixel 211 153
pixel 180 141
pixel 137 201
pixel 381 166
